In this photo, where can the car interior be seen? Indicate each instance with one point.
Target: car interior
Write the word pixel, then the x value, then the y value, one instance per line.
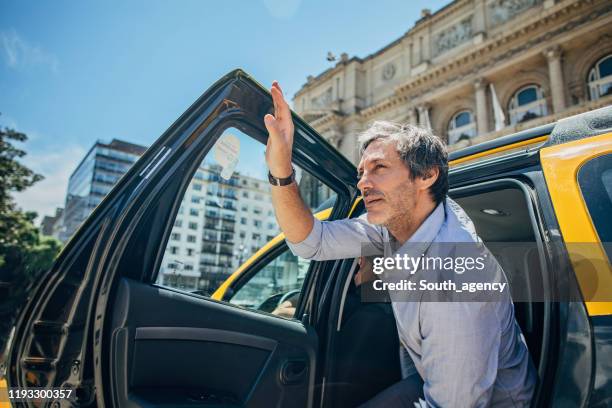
pixel 514 222
pixel 364 350
pixel 188 352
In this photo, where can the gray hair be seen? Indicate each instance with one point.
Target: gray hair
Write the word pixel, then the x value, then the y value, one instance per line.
pixel 420 150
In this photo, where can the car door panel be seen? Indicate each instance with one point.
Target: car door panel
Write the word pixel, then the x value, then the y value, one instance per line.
pixel 198 351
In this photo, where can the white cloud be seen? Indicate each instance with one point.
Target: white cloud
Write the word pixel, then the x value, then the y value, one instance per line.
pixel 56 166
pixel 282 9
pixel 17 52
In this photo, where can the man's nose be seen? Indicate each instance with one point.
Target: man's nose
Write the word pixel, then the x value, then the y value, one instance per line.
pixel 364 183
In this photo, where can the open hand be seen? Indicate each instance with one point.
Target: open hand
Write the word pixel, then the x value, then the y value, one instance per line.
pixel 280 131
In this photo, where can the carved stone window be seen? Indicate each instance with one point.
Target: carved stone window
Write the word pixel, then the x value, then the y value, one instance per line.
pixel 527 103
pixel 461 126
pixel 600 78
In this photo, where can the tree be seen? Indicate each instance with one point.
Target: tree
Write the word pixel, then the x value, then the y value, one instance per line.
pixel 24 252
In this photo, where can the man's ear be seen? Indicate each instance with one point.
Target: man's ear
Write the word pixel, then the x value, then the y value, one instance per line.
pixel 429 179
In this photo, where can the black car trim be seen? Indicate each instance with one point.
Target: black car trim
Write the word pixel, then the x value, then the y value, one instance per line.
pixel 205 334
pixel 602 336
pixel 501 141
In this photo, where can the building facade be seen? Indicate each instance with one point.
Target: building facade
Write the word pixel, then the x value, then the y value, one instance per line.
pixel 219 225
pixel 92 180
pixel 473 71
pixel 51 225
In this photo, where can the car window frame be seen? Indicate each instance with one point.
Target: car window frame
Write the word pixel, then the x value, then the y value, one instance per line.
pixel 148 211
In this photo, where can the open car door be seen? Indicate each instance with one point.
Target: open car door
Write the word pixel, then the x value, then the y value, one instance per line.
pixel 125 318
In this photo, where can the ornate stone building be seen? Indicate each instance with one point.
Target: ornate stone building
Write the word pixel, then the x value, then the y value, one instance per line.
pixel 473 71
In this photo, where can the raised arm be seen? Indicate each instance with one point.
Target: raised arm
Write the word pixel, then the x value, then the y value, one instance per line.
pixel 306 236
pixel 292 214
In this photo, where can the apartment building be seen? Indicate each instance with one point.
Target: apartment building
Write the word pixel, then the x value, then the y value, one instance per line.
pixel 219 224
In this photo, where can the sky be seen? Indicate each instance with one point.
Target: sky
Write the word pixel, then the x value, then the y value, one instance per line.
pixel 73 72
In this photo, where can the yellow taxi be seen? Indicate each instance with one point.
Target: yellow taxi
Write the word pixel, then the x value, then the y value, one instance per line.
pixel 142 308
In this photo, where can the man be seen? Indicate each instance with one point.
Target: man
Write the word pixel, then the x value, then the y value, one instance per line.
pixel 468 354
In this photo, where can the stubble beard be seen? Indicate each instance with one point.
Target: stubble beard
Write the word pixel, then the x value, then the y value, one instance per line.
pixel 403 206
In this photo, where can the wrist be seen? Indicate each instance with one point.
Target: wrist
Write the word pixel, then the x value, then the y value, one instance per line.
pixel 281 181
pixel 281 171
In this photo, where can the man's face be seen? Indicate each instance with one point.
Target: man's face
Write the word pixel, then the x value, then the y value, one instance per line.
pixel 386 186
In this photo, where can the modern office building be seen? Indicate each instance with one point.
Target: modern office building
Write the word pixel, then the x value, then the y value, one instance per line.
pixel 473 71
pixel 93 178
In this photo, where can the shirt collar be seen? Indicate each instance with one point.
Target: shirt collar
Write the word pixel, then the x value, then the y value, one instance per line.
pixel 429 229
pixel 425 234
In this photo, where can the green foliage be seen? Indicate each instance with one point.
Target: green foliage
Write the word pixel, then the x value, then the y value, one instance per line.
pixel 24 252
pixel 14 176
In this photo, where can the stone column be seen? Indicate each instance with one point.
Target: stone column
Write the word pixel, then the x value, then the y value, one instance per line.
pixel 412 117
pixel 348 143
pixel 482 108
pixel 555 72
pixel 480 10
pixel 424 119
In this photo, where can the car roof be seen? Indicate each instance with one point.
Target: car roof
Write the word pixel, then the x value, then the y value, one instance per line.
pixel 572 128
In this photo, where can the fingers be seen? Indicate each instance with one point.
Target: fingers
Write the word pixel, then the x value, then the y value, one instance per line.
pixel 280 105
pixel 271 126
pixel 276 85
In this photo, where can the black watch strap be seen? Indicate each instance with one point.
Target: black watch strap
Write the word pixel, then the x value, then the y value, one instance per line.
pixel 276 181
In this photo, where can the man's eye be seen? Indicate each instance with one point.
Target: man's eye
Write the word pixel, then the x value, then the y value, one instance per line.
pixel 380 166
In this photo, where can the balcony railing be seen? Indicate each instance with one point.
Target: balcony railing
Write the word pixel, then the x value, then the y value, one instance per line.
pixel 464 132
pixel 570 111
pixel 529 111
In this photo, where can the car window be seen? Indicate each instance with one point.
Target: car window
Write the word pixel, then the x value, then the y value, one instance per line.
pixel 595 180
pixel 226 215
pixel 274 288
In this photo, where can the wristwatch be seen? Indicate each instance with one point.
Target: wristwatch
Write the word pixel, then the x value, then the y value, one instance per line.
pixel 276 181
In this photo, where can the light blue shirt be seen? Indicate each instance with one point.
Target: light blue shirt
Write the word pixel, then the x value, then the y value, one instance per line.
pixel 469 354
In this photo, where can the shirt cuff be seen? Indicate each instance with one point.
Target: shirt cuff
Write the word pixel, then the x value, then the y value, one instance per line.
pixel 310 245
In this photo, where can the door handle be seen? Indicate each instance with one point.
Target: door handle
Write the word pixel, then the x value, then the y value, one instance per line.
pixel 293 371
